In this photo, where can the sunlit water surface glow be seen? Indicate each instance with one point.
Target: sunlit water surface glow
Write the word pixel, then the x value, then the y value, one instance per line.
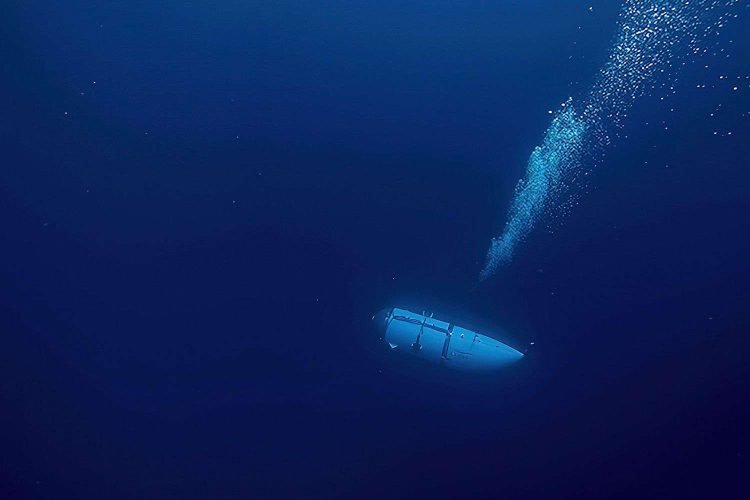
pixel 653 36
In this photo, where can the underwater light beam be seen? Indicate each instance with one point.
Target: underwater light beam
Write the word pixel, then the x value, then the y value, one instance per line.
pixel 652 36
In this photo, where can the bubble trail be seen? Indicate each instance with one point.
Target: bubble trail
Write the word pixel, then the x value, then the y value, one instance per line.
pixel 652 37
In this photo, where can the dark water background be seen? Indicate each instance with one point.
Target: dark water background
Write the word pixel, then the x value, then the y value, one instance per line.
pixel 191 256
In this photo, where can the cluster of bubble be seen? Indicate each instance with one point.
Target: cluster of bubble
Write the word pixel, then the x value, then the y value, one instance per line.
pixel 652 37
pixel 549 164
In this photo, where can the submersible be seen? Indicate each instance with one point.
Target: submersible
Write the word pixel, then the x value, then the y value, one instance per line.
pixel 442 342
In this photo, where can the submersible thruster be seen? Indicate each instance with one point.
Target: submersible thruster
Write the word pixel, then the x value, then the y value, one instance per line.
pixel 437 341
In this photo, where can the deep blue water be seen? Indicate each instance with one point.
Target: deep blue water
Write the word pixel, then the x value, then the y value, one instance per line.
pixel 204 203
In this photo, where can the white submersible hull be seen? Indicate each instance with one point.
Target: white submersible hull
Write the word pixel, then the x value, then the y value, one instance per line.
pixel 441 342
